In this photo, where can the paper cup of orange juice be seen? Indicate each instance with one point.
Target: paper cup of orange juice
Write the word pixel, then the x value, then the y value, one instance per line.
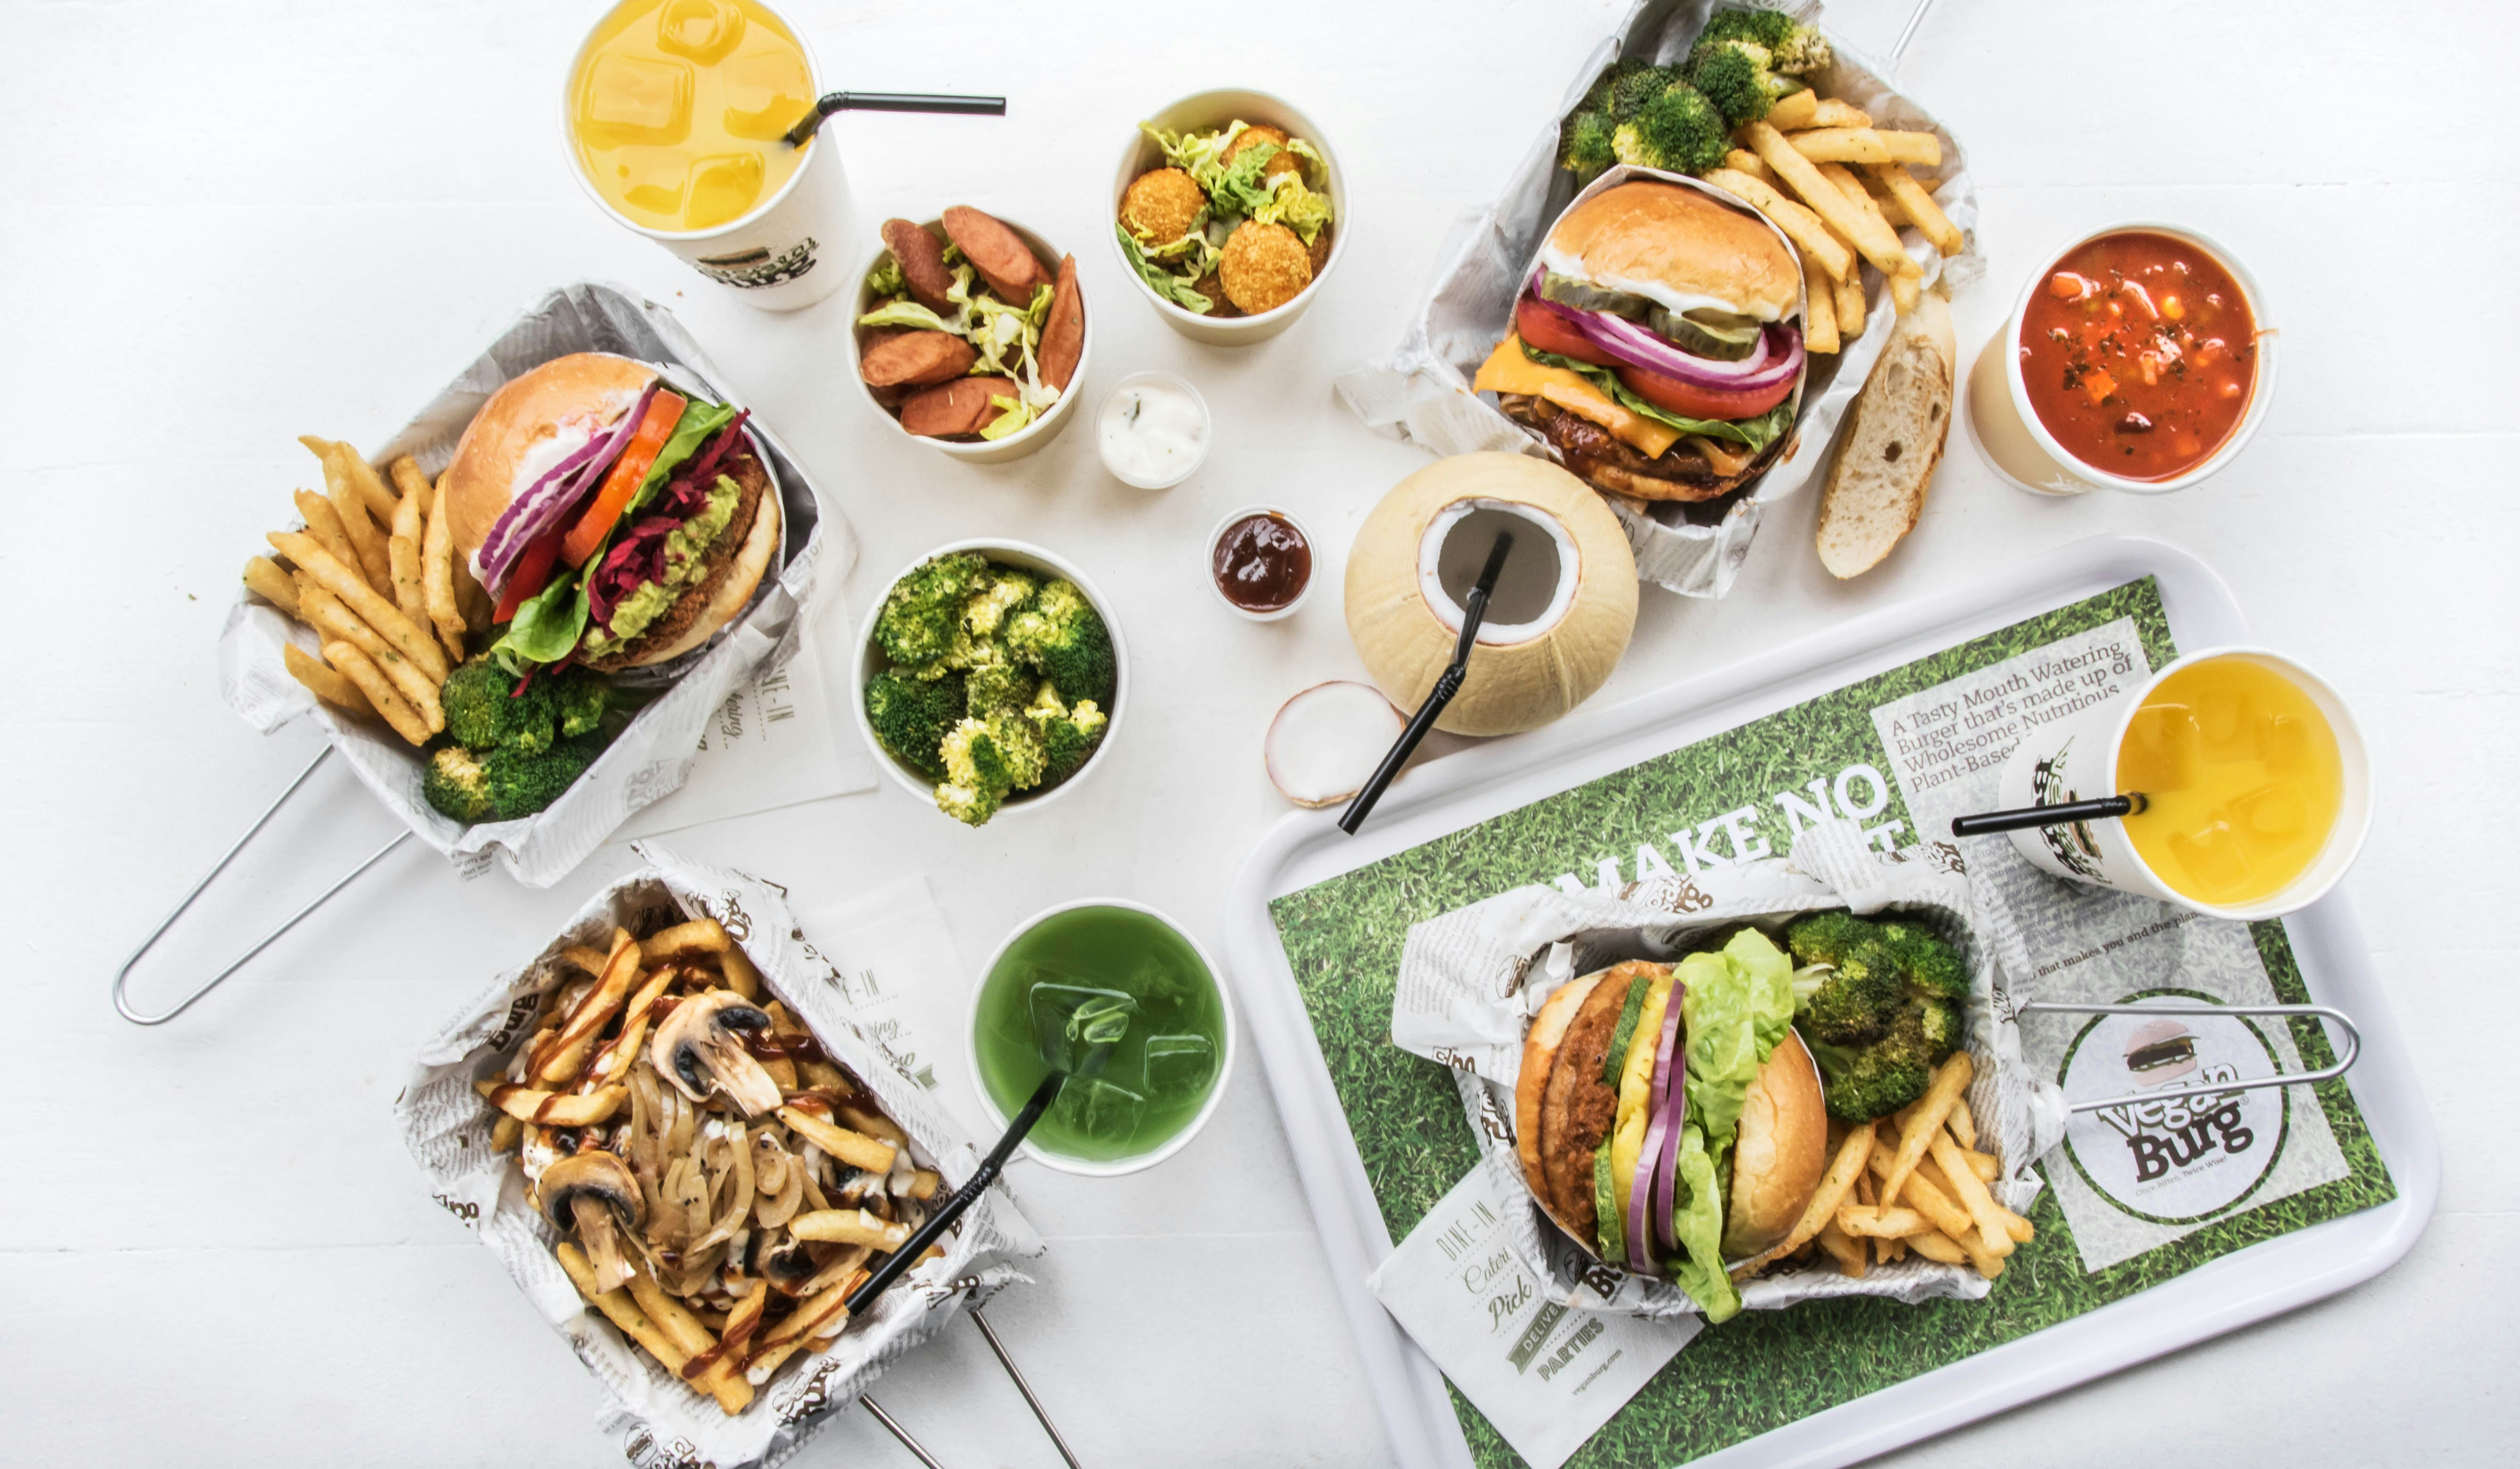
pixel 2257 787
pixel 674 116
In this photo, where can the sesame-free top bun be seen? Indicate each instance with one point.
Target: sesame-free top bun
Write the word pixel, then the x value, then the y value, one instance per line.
pixel 586 389
pixel 1779 1153
pixel 1657 234
pixel 1538 1053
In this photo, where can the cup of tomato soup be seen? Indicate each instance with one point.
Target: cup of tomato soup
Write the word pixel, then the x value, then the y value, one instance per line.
pixel 2141 359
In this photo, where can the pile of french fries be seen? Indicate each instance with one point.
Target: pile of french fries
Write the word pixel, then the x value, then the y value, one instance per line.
pixel 749 1229
pixel 1799 167
pixel 1919 1183
pixel 376 575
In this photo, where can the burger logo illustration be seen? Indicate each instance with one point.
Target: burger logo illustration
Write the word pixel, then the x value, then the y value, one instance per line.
pixel 2185 1149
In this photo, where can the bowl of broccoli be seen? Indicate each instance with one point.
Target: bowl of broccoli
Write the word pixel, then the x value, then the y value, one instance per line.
pixel 991 677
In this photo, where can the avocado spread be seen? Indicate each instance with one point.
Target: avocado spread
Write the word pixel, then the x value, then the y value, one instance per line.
pixel 685 551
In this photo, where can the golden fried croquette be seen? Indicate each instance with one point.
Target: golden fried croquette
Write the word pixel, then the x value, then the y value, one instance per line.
pixel 1264 267
pixel 1162 206
pixel 1284 162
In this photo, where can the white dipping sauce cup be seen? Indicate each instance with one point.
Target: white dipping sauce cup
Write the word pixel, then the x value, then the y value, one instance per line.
pixel 1151 378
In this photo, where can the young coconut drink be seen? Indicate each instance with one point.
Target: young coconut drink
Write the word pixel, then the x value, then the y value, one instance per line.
pixel 1557 624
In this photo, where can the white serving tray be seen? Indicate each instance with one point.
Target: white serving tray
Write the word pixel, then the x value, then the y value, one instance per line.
pixel 1465 789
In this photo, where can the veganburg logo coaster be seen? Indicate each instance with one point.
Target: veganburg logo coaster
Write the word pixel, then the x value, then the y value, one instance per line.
pixel 2187 1152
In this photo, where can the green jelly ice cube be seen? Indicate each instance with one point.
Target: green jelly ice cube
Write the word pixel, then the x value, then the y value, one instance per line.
pixel 1072 1021
pixel 1091 1107
pixel 1179 1066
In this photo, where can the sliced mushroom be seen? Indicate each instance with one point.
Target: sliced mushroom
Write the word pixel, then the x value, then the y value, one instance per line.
pixel 587 1191
pixel 701 1046
pixel 784 1261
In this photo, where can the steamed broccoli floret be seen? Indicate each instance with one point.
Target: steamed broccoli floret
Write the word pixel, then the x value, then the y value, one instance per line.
pixel 920 619
pixel 911 717
pixel 1679 132
pixel 1739 78
pixel 1067 734
pixel 485 710
pixel 1017 746
pixel 1584 144
pixel 1598 100
pixel 454 783
pixel 1880 1005
pixel 984 759
pixel 1631 87
pixel 1795 49
pixel 1005 590
pixel 524 782
pixel 1000 687
pixel 1060 636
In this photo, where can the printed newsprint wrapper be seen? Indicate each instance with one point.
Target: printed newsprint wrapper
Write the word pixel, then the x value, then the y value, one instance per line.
pixel 652 756
pixel 1470 981
pixel 1422 393
pixel 2128 1178
pixel 661 1422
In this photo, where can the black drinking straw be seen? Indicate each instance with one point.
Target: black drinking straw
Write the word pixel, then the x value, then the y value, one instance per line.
pixel 2023 818
pixel 891 102
pixel 1475 609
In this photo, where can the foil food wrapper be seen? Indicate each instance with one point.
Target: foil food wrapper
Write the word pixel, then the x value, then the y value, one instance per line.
pixel 660 1421
pixel 1470 981
pixel 1422 392
pixel 653 755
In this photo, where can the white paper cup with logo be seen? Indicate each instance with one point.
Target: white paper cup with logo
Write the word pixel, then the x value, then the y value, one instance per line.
pixel 784 253
pixel 2076 759
pixel 2015 442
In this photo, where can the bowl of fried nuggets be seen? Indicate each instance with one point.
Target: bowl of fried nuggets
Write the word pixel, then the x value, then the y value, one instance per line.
pixel 712 1181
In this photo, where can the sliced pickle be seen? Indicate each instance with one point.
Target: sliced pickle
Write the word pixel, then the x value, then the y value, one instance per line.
pixel 1583 295
pixel 1719 335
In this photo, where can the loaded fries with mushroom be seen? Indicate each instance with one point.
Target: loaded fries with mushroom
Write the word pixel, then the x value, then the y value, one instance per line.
pixel 718 1183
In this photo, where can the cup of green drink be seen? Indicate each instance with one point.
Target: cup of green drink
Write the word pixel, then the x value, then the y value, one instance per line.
pixel 1072 969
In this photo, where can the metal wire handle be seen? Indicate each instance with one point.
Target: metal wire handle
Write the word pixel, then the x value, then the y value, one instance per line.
pixel 2352 1044
pixel 122 975
pixel 893 1426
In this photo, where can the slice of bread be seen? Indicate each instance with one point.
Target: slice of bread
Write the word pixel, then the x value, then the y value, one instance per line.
pixel 1876 488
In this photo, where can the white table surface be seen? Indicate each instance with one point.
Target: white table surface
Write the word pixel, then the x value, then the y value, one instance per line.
pixel 222 227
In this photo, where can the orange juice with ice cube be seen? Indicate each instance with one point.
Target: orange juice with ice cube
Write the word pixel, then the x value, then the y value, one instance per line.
pixel 677 111
pixel 2241 776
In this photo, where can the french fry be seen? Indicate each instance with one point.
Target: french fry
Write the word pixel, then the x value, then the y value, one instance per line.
pixel 871 1124
pixel 1853 1153
pixel 324 523
pixel 1847 1250
pixel 613 1061
pixel 477 603
pixel 850 1226
pixel 323 681
pixel 818 1314
pixel 1829 112
pixel 1850 306
pixel 588 958
pixel 323 612
pixel 1903 294
pixel 1886 202
pixel 1873 1221
pixel 560 1063
pixel 700 936
pixel 1924 1121
pixel 437 581
pixel 742 975
pixel 355 473
pixel 379 614
pixel 1980 1164
pixel 1863 145
pixel 1963 1126
pixel 855 1149
pixel 822 1076
pixel 402 559
pixel 1800 225
pixel 1924 1192
pixel 1890 1250
pixel 722 1378
pixel 411 484
pixel 505 1133
pixel 923 1184
pixel 380 691
pixel 1993 1225
pixel 265 579
pixel 1940 1247
pixel 1819 308
pixel 1873 239
pixel 619 1308
pixel 528 1104
pixel 1919 208
pixel 1743 160
pixel 364 538
pixel 1856 194
pixel 1795 110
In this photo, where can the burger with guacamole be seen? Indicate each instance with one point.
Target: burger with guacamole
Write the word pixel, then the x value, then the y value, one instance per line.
pixel 1667 1117
pixel 618 522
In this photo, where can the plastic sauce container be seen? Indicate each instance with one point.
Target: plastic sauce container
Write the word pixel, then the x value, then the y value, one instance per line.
pixel 1260 562
pixel 1154 431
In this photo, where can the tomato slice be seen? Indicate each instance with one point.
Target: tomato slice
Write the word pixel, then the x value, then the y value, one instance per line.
pixel 532 573
pixel 1689 400
pixel 586 538
pixel 1550 332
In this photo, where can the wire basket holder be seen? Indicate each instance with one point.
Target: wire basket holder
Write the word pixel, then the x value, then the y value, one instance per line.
pixel 122 976
pixel 2328 1013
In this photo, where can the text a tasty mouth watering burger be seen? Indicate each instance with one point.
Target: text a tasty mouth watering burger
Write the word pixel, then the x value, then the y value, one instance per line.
pixel 1657 345
pixel 1669 1119
pixel 618 522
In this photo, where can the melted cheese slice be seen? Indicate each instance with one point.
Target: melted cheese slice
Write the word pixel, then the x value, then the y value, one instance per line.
pixel 1508 370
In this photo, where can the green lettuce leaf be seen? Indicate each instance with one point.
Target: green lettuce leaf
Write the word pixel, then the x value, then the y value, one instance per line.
pixel 886 279
pixel 697 422
pixel 1756 432
pixel 1739 1005
pixel 547 624
pixel 906 314
pixel 1199 155
pixel 1014 415
pixel 1181 290
pixel 1698 1223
